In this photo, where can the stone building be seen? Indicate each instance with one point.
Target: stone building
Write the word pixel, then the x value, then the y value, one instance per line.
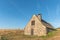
pixel 37 26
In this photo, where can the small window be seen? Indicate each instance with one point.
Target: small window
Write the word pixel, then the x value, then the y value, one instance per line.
pixel 33 23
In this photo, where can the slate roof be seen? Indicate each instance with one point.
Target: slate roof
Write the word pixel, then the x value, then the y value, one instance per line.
pixel 46 24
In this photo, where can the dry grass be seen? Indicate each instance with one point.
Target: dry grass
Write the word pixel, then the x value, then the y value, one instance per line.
pixel 19 35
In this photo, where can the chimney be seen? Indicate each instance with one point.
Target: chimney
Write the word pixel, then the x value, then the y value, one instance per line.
pixel 39 16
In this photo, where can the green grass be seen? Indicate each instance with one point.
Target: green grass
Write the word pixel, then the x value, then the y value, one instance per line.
pixel 3 38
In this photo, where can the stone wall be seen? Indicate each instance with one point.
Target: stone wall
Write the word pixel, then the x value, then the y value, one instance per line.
pixel 39 28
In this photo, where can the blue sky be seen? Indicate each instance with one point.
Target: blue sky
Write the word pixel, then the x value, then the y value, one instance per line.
pixel 16 13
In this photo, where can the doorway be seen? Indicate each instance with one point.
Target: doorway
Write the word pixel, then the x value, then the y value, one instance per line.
pixel 32 31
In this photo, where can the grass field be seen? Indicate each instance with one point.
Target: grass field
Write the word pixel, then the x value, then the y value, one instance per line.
pixel 19 35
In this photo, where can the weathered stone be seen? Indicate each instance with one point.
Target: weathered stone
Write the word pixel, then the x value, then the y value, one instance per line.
pixel 37 26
